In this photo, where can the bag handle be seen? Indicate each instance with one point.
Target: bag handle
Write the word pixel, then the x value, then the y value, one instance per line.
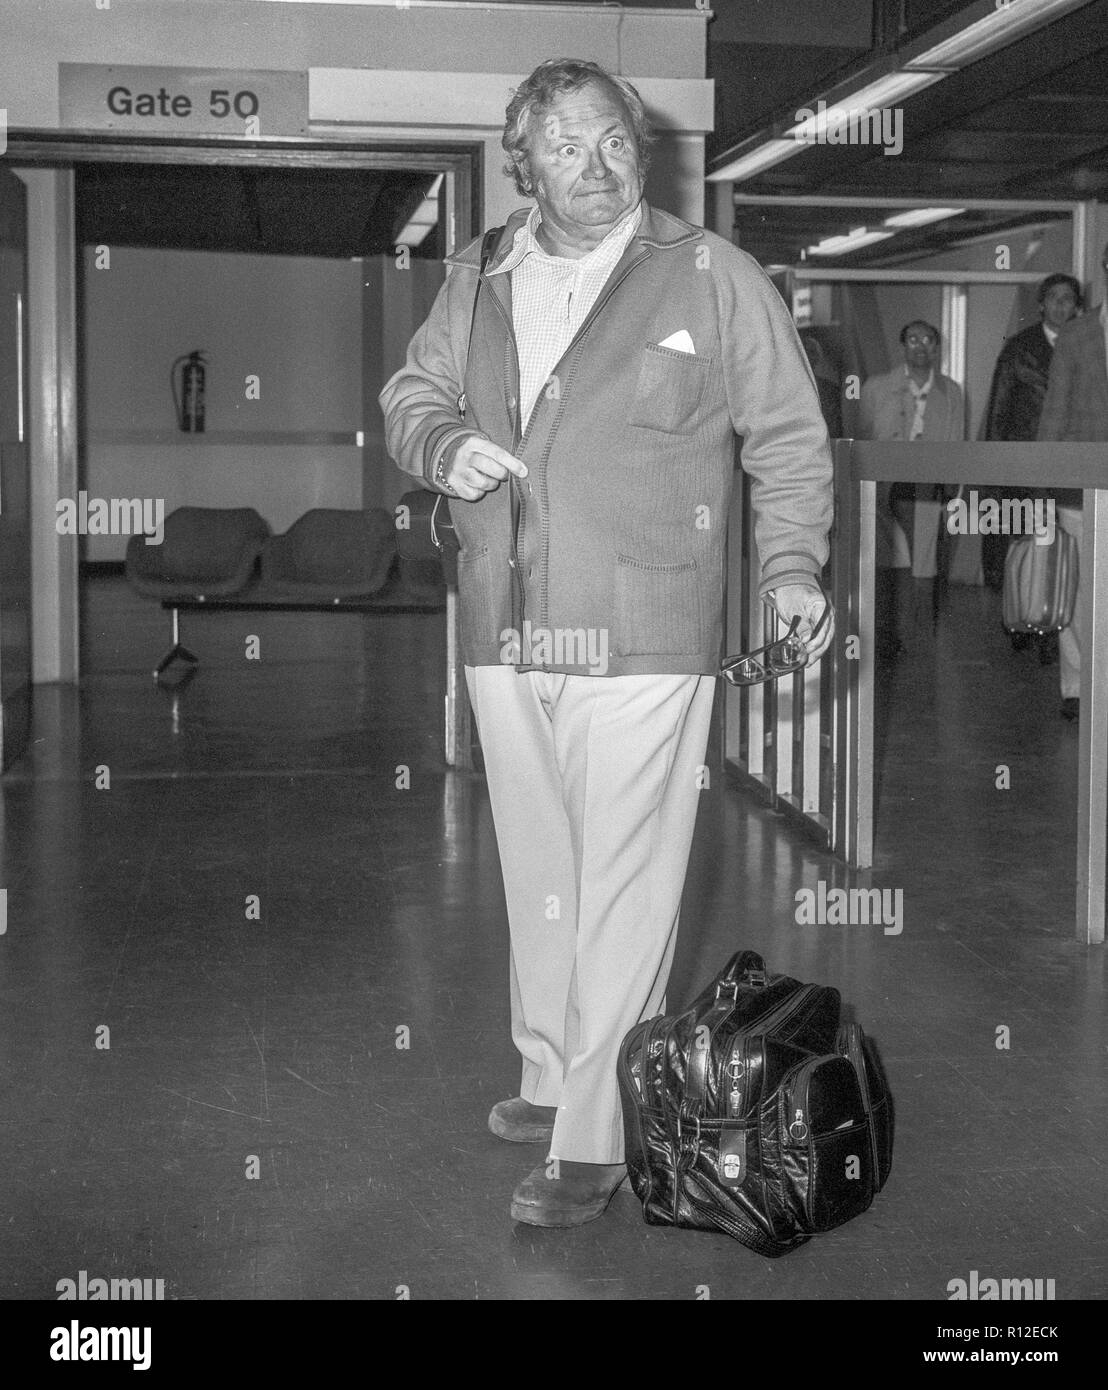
pixel 750 966
pixel 746 970
pixel 488 241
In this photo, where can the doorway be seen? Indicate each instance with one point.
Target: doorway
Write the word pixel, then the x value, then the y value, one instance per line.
pixel 453 170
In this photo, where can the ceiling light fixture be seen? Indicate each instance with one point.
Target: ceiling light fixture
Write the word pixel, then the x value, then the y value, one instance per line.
pixel 424 218
pixel 998 23
pixel 883 92
pixel 921 217
pixel 1001 22
pixel 852 241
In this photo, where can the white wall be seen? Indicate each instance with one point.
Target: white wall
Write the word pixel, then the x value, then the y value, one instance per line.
pixel 295 322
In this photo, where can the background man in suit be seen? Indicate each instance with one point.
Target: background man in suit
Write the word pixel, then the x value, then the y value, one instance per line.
pixel 1076 409
pixel 616 352
pixel 1015 404
pixel 827 383
pixel 913 401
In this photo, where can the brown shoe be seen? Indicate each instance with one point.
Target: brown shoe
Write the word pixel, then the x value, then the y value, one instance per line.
pixel 563 1193
pixel 520 1122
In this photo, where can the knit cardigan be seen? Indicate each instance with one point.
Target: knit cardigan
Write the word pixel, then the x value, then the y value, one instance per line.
pixel 616 538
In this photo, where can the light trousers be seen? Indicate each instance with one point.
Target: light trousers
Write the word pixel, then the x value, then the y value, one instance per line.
pixel 594 784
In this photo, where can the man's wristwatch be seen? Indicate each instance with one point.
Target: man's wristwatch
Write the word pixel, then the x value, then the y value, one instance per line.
pixel 440 477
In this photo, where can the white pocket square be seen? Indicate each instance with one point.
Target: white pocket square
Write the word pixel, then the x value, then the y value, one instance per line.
pixel 680 340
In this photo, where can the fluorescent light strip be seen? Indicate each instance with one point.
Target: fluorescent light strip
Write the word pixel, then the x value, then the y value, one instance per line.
pixel 894 86
pixel 764 157
pixel 998 27
pixel 853 241
pixel 413 234
pixel 424 218
pixel 921 217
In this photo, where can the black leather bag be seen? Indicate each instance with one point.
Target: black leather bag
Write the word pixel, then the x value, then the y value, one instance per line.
pixel 754 1112
pixel 425 530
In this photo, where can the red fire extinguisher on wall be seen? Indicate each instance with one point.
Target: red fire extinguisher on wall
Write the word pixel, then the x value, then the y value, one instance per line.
pixel 189 400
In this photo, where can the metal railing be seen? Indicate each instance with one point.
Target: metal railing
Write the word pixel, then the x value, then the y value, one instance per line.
pixel 806 742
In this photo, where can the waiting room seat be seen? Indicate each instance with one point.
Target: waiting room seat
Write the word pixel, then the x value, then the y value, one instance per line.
pixel 329 554
pixel 206 552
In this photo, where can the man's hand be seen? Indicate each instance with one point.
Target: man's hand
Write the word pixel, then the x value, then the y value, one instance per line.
pixel 479 466
pixel 807 603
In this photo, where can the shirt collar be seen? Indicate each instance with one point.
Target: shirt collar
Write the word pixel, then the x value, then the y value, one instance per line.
pixel 920 390
pixel 526 242
pixel 1051 334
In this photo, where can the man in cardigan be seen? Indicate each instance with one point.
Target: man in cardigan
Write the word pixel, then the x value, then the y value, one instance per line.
pixel 913 401
pixel 616 350
pixel 1076 409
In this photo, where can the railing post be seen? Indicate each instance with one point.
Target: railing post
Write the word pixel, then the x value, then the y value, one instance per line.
pixel 808 705
pixel 734 597
pixel 756 700
pixel 844 547
pixel 458 721
pixel 852 591
pixel 1092 756
pixel 865 627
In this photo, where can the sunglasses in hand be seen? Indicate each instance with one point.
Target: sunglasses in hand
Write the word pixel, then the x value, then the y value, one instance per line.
pixel 784 657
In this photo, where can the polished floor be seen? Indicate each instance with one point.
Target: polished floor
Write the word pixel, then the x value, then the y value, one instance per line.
pixel 211 958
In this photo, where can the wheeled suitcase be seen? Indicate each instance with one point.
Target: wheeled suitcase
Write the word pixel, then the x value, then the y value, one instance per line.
pixel 754 1112
pixel 1040 584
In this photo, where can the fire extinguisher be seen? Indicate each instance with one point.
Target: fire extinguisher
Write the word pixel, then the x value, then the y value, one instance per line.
pixel 189 402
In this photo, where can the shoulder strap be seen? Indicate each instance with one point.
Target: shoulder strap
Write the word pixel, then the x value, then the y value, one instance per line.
pixel 487 243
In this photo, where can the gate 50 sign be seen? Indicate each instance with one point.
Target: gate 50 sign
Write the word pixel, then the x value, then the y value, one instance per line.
pixel 182 101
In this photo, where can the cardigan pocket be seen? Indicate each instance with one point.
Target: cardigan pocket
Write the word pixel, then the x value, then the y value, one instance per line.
pixel 475 599
pixel 658 608
pixel 669 391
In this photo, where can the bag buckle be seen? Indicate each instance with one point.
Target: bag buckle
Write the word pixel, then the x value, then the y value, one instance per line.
pixel 693 1144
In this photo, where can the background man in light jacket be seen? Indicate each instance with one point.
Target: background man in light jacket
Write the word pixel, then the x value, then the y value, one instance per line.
pixel 913 401
pixel 615 352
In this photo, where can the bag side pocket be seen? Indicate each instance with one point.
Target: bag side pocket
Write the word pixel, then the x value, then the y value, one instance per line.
pixel 859 1049
pixel 826 1150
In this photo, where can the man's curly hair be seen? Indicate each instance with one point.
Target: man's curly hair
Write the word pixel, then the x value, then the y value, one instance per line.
pixel 536 95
